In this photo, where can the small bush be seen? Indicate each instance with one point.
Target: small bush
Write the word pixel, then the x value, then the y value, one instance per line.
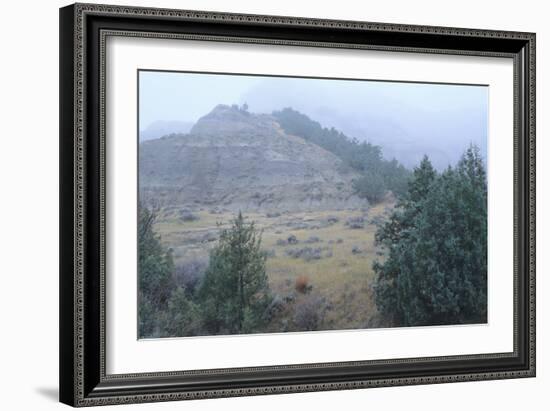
pixel 332 219
pixel 290 297
pixel 276 306
pixel 284 325
pixel 189 274
pixel 273 214
pixel 188 216
pixel 270 253
pixel 356 222
pixel 306 253
pixel 310 313
pixel 209 237
pixel 339 241
pixel 313 239
pixel 302 284
pixel 182 318
pixel 356 250
pixel 297 225
pixel 281 242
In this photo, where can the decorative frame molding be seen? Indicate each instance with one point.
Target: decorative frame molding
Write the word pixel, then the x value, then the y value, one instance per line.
pixel 83 32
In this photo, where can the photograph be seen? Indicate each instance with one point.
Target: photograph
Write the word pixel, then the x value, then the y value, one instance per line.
pixel 272 204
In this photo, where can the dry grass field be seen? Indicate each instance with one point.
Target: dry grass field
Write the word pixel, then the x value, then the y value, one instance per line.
pixel 320 261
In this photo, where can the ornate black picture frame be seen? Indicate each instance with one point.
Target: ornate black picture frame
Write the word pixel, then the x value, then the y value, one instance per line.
pixel 83 30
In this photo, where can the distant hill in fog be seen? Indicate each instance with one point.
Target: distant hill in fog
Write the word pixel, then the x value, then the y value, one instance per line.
pixel 163 128
pixel 406 120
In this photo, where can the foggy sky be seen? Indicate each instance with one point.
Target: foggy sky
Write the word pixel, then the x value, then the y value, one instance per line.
pixel 407 119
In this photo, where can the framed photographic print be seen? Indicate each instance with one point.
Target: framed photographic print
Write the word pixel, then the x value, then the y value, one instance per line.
pixel 262 204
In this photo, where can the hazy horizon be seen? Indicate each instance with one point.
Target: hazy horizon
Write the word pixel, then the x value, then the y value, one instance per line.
pixel 407 120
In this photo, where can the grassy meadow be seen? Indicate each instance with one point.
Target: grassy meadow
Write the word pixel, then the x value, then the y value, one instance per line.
pixel 320 260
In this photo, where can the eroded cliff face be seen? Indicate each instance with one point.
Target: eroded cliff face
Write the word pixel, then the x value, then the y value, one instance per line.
pixel 237 160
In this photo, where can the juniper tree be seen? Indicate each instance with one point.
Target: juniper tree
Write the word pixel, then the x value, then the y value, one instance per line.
pixel 370 186
pixel 436 266
pixel 408 207
pixel 155 274
pixel 235 293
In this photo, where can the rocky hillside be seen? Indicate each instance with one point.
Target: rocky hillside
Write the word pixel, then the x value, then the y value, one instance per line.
pixel 237 160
